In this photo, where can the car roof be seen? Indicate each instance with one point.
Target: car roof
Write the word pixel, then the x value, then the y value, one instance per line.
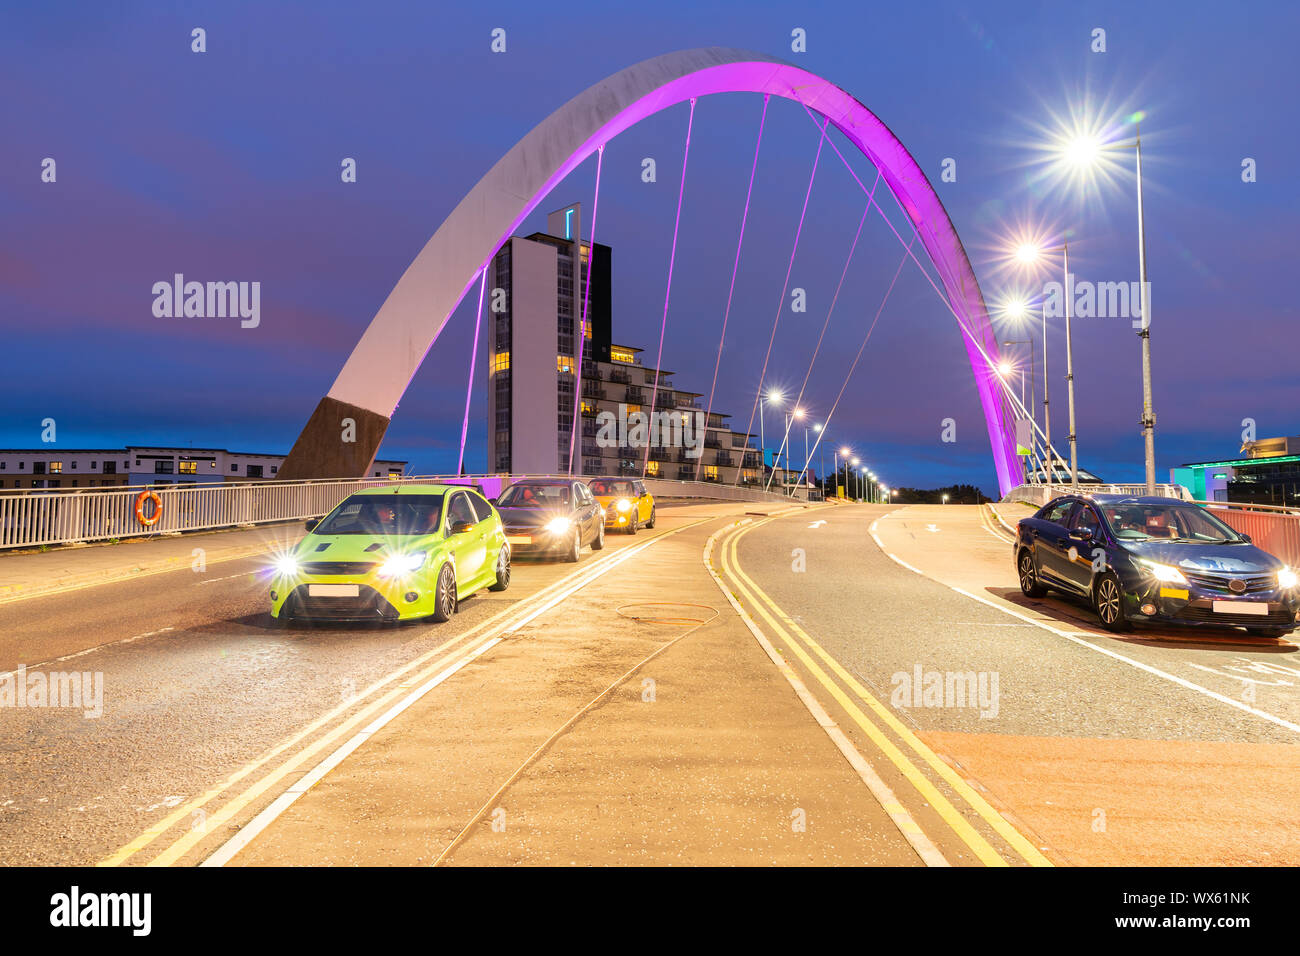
pixel 543 481
pixel 611 478
pixel 422 489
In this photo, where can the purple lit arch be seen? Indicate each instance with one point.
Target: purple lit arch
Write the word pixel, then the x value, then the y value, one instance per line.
pixel 379 369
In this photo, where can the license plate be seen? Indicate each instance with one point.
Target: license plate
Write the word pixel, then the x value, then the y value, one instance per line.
pixel 519 538
pixel 334 590
pixel 1173 593
pixel 1240 607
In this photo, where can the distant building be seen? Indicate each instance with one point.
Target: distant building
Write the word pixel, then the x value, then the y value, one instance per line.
pixel 55 467
pixel 1269 474
pixel 532 378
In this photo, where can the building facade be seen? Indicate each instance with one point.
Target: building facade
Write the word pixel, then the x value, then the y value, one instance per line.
pixel 1269 474
pixel 54 467
pixel 537 285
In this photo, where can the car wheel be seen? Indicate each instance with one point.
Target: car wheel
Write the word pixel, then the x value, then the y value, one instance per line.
pixel 444 599
pixel 1108 601
pixel 634 524
pixel 1029 585
pixel 651 523
pixel 576 548
pixel 503 570
pixel 598 542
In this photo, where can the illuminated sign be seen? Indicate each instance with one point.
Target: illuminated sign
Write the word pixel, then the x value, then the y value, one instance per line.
pixel 568 224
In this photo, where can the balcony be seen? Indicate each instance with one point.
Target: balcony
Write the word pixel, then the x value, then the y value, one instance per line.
pixel 591 390
pixel 635 396
pixel 725 460
pixel 620 376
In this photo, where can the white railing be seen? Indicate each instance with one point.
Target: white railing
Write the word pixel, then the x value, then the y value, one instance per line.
pixel 1037 494
pixel 36 517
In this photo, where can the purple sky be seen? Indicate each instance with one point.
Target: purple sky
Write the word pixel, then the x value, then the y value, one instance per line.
pixel 225 166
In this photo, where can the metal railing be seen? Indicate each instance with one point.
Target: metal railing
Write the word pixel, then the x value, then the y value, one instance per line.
pixel 44 517
pixel 1274 529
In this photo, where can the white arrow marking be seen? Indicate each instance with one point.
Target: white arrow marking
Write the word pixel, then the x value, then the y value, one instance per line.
pixel 818 523
pixel 932 527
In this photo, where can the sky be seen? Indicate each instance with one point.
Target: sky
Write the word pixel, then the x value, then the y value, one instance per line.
pixel 225 166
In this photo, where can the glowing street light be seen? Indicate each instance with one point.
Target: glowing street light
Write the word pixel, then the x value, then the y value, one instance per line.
pixel 1036 252
pixel 1084 153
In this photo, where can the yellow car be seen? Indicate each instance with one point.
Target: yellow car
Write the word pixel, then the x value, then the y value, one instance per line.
pixel 627 503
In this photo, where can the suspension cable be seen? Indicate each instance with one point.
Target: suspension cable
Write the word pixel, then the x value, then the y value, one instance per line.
pixel 732 290
pixel 672 258
pixel 780 306
pixel 473 354
pixel 586 294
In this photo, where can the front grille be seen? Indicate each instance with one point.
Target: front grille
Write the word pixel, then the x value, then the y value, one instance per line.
pixel 338 567
pixel 368 605
pixel 1218 582
pixel 1281 616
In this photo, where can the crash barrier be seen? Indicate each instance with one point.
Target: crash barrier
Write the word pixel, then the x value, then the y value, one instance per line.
pixel 59 516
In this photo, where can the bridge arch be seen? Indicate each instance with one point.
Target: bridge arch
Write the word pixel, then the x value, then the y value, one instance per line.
pixel 376 374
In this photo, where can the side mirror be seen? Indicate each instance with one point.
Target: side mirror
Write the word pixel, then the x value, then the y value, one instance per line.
pixel 312 523
pixel 493 503
pixel 462 527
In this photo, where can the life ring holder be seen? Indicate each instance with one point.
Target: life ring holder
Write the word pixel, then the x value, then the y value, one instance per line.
pixel 140 499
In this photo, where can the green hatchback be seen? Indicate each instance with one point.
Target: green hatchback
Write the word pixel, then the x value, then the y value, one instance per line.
pixel 393 553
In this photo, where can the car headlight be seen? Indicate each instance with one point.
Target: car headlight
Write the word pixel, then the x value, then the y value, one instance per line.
pixel 1286 578
pixel 1164 572
pixel 558 525
pixel 623 505
pixel 286 565
pixel 400 564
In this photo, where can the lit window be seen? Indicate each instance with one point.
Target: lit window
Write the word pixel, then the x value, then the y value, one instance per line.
pixel 189 467
pixel 56 467
pixel 501 362
pixel 622 355
pixel 652 469
pixel 564 363
pixel 632 409
pixel 711 472
pixel 587 409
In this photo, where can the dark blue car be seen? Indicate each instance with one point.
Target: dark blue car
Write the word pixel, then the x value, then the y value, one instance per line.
pixel 1154 559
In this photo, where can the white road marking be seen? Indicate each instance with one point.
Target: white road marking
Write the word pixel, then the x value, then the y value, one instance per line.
pixel 91 650
pixel 818 523
pixel 1071 636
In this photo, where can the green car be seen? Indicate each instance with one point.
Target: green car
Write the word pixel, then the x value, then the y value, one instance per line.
pixel 393 554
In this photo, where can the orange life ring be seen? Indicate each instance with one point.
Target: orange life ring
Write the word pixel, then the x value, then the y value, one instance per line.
pixel 140 499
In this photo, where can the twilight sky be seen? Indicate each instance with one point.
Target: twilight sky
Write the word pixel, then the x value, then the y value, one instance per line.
pixel 225 166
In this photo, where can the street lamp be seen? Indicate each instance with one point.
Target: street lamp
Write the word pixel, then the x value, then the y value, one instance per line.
pixel 1029 254
pixel 843 453
pixel 1083 152
pixel 945 499
pixel 821 458
pixel 1019 309
pixel 846 477
pixel 773 398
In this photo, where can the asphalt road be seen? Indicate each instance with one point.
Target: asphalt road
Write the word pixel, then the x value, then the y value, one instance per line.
pixel 197 683
pixel 1098 745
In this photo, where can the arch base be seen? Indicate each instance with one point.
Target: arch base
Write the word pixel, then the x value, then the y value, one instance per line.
pixel 322 452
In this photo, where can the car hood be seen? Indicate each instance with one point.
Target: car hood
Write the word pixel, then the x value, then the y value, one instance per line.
pixel 1222 558
pixel 531 517
pixel 362 547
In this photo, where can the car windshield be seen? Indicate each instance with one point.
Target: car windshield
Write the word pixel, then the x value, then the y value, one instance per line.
pixel 535 496
pixel 1139 522
pixel 611 488
pixel 384 514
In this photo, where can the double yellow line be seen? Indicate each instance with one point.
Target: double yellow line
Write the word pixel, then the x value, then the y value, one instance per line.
pixel 809 652
pixel 430 664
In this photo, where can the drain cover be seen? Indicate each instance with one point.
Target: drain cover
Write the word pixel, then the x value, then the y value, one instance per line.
pixel 667 612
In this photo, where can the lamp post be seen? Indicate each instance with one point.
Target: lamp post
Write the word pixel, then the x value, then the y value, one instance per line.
pixel 1030 254
pixel 1016 310
pixel 1082 152
pixel 773 398
pixel 844 453
pixel 846 479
